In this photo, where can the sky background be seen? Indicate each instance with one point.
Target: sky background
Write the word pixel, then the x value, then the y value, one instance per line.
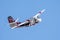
pixel 48 29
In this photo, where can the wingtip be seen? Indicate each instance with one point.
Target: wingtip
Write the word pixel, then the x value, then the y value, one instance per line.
pixel 14 27
pixel 42 11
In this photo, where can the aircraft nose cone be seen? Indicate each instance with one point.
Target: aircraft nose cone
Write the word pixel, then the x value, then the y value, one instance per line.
pixel 39 20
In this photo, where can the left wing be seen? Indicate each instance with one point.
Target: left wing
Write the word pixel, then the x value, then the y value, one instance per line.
pixel 24 23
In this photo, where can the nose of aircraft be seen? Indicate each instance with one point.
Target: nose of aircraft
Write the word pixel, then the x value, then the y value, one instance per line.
pixel 40 20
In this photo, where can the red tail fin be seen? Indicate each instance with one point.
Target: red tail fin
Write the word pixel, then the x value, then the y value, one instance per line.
pixel 10 19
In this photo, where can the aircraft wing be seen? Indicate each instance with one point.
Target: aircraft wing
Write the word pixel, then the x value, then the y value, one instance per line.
pixel 39 13
pixel 21 24
pixel 24 23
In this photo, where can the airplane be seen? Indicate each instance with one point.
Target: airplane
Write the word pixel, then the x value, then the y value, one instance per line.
pixel 34 20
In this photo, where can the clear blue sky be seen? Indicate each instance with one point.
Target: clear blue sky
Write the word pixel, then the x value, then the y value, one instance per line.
pixel 48 29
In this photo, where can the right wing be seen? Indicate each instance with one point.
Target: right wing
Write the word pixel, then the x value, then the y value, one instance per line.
pixel 39 13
